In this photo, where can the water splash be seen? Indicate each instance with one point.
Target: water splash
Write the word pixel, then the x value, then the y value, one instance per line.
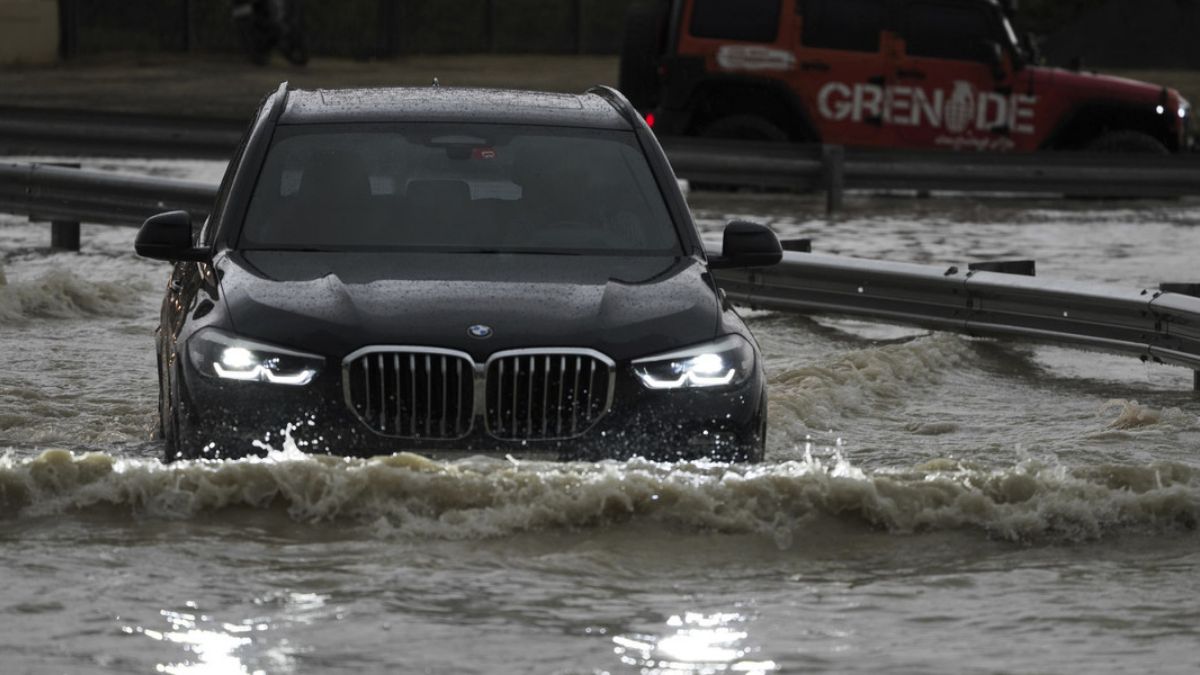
pixel 1133 415
pixel 854 383
pixel 61 294
pixel 481 497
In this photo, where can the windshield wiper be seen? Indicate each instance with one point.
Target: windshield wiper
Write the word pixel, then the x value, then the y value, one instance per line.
pixel 298 249
pixel 509 251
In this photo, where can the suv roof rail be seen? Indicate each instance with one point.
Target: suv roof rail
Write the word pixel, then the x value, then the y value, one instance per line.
pixel 278 101
pixel 618 101
pixel 282 91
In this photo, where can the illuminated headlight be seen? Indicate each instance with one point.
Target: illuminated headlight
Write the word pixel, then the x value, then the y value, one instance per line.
pixel 219 354
pixel 1185 108
pixel 728 361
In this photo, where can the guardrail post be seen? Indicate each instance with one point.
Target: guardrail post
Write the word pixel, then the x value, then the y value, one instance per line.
pixel 64 234
pixel 833 157
pixel 1194 291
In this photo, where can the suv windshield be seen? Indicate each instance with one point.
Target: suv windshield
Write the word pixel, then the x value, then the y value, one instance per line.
pixel 458 188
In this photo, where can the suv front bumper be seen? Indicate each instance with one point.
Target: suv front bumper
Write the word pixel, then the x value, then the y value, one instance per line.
pixel 233 419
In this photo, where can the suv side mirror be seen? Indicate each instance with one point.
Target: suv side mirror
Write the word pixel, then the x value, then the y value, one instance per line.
pixel 168 236
pixel 748 245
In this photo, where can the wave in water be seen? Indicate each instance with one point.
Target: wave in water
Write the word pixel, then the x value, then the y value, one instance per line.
pixel 412 496
pixel 1133 415
pixel 856 383
pixel 60 294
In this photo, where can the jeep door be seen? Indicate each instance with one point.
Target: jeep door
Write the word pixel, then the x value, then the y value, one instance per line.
pixel 955 83
pixel 843 68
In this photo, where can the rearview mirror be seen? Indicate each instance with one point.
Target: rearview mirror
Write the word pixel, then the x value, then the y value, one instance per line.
pixel 748 245
pixel 168 236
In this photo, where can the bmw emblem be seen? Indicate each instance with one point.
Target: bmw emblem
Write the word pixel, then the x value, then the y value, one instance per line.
pixel 480 331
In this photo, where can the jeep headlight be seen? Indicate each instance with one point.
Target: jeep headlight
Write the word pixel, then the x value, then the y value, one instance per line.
pixel 216 353
pixel 728 361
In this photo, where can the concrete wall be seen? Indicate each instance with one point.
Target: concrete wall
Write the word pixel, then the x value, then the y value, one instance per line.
pixel 358 28
pixel 28 31
pixel 1131 34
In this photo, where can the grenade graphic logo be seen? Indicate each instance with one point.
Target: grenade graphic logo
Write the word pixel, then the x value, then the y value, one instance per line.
pixel 960 109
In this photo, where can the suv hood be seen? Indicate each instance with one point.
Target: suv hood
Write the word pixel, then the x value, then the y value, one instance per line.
pixel 335 303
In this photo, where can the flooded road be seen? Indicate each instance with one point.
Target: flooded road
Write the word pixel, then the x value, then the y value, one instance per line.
pixel 930 503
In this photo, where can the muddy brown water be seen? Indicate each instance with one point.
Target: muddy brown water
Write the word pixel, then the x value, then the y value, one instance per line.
pixel 930 503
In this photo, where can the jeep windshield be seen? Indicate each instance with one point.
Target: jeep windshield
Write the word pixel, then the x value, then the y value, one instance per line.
pixel 457 188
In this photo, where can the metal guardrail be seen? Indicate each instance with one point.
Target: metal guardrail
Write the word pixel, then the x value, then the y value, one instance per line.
pixel 54 193
pixel 834 169
pixel 78 132
pixel 803 168
pixel 1153 325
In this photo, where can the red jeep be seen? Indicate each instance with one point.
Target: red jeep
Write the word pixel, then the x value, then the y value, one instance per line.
pixel 895 73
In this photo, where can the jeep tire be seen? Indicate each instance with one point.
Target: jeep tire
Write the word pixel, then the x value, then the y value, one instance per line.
pixel 744 127
pixel 1128 142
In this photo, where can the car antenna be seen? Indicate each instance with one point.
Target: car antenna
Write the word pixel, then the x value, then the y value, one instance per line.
pixel 436 84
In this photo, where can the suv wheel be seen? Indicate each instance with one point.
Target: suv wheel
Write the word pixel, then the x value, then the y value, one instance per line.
pixel 739 127
pixel 756 451
pixel 179 443
pixel 1128 141
pixel 182 441
pixel 744 127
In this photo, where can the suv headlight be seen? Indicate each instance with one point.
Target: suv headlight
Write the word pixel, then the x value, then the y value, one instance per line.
pixel 728 361
pixel 216 353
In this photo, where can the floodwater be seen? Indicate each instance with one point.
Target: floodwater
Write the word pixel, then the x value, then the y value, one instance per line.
pixel 930 503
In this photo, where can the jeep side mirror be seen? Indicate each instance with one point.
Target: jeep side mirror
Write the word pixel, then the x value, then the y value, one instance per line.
pixel 994 55
pixel 747 245
pixel 168 236
pixel 1030 44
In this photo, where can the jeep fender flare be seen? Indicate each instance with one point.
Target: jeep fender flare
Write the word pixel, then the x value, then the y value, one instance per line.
pixel 723 96
pixel 1089 120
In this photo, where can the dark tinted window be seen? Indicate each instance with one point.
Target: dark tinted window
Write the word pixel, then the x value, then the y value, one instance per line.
pixel 948 31
pixel 853 25
pixel 745 20
pixel 457 188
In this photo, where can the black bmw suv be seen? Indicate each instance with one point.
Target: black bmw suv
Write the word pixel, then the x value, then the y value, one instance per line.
pixel 454 271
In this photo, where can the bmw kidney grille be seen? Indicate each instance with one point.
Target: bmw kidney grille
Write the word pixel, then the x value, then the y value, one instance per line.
pixel 428 393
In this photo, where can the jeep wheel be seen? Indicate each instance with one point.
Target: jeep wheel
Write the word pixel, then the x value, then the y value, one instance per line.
pixel 1128 141
pixel 744 127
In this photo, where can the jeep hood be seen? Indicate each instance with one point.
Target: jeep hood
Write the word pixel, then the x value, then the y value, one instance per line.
pixel 1100 86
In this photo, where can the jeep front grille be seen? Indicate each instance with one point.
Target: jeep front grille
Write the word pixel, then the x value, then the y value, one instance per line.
pixel 416 393
pixel 547 394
